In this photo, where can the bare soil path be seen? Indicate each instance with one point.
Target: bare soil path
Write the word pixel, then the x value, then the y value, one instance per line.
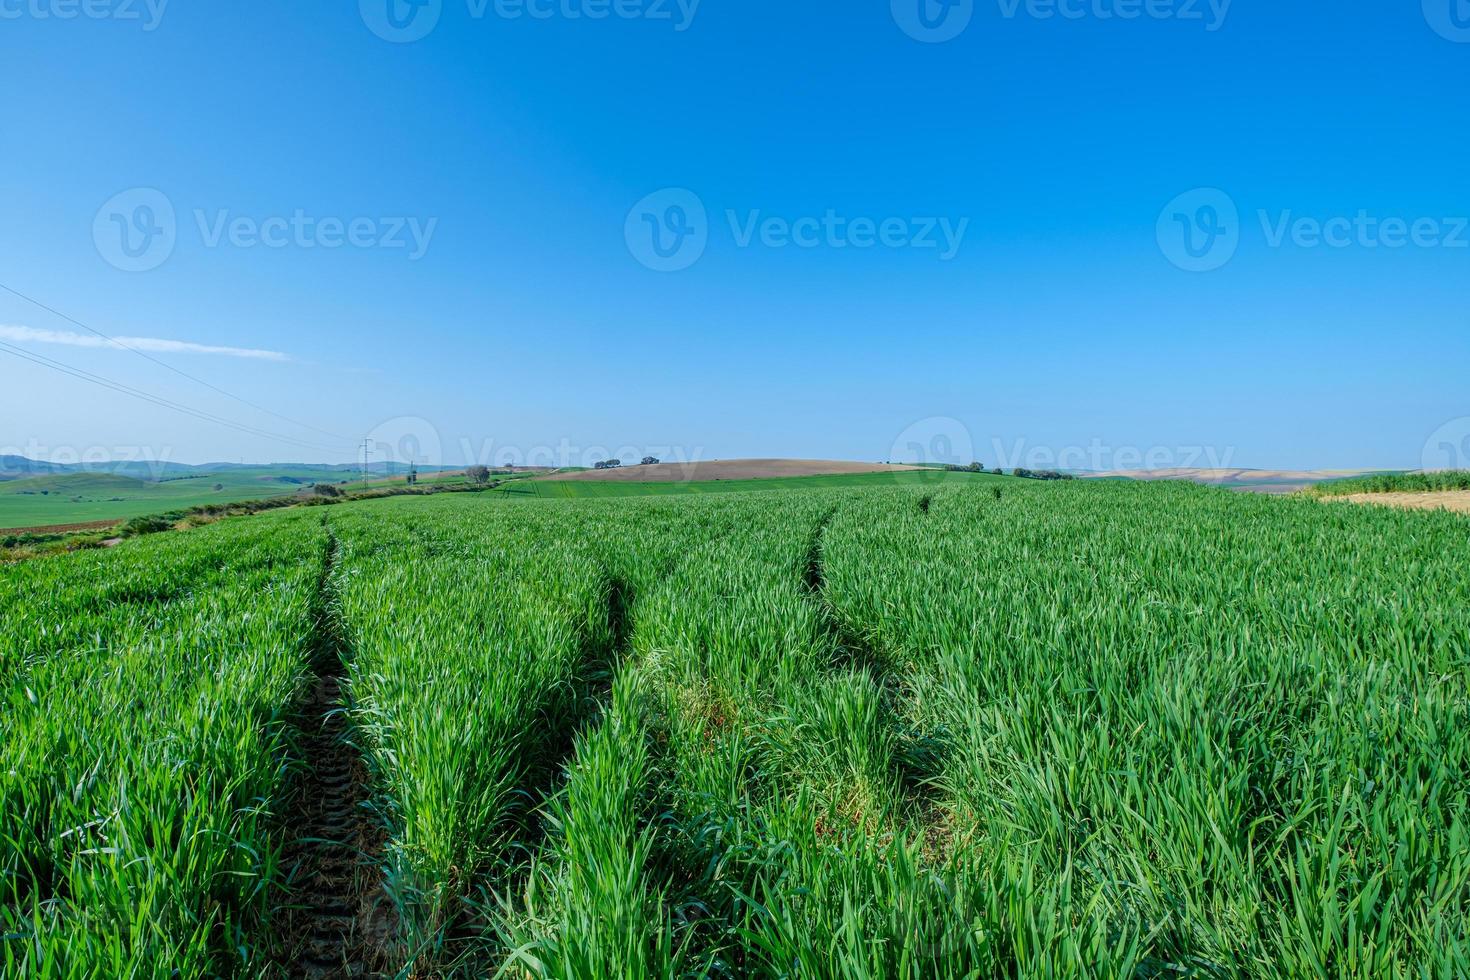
pixel 340 919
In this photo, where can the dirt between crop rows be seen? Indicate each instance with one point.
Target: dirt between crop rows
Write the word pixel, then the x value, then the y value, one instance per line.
pixel 58 528
pixel 341 918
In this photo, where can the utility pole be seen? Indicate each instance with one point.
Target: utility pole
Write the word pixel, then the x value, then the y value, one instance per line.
pixel 366 450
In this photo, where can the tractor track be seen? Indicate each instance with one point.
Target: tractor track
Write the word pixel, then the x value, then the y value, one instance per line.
pixel 339 918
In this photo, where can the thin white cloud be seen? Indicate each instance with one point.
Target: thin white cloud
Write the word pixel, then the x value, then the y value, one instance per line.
pixel 153 345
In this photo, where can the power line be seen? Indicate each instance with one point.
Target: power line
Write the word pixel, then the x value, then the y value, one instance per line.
pixel 164 364
pixel 159 400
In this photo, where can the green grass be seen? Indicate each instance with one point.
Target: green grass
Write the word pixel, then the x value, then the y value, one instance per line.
pixel 135 819
pixel 585 489
pixel 980 727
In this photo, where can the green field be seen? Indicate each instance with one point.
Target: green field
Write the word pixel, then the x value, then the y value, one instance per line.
pixel 583 489
pixel 79 498
pixel 979 728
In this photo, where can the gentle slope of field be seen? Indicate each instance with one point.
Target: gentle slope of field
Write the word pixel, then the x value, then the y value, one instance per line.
pixel 86 497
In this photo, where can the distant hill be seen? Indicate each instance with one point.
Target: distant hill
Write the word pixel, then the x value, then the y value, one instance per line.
pixel 727 469
pixel 76 483
pixel 18 467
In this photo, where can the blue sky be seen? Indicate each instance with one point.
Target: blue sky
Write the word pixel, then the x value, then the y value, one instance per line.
pixel 524 317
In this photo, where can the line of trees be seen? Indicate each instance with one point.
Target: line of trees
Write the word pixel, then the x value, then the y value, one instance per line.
pixel 613 464
pixel 1020 471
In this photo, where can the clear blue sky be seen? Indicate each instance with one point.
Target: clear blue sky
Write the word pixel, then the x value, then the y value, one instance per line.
pixel 1063 319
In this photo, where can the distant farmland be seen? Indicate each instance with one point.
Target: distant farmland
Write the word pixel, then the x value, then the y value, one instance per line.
pixel 91 497
pixel 553 488
pixel 76 498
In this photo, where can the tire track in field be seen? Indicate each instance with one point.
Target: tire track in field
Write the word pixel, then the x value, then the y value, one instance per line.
pixel 918 762
pixel 340 918
pixel 853 649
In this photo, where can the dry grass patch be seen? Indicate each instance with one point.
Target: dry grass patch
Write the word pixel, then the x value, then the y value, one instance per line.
pixel 1453 500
